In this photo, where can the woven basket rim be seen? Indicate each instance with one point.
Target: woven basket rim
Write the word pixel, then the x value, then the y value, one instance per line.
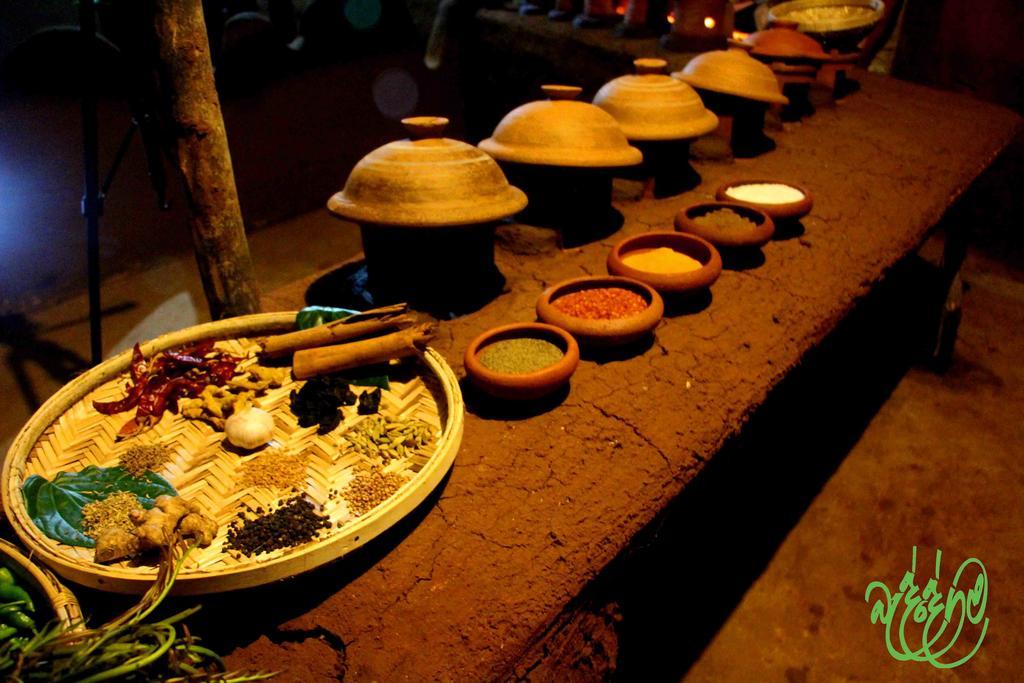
pixel 313 554
pixel 62 601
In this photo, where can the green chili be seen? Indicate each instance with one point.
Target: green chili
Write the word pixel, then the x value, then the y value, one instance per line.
pixel 10 591
pixel 15 617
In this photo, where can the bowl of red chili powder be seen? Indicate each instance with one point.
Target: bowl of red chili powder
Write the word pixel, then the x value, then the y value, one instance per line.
pixel 602 311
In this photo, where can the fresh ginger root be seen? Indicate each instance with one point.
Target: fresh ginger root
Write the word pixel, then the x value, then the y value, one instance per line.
pixel 215 404
pixel 155 527
pixel 258 378
pixel 169 518
pixel 198 526
pixel 114 543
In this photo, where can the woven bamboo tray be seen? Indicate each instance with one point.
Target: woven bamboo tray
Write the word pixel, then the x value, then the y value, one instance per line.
pixel 66 433
pixel 42 583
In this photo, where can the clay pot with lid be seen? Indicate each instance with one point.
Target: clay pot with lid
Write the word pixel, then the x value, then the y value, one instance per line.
pixel 661 115
pixel 795 59
pixel 783 43
pixel 427 207
pixel 739 89
pixel 563 153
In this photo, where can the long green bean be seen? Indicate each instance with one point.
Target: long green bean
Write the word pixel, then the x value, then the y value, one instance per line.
pixel 126 646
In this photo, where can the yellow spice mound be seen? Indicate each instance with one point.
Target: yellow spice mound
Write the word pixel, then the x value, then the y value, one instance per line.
pixel 661 260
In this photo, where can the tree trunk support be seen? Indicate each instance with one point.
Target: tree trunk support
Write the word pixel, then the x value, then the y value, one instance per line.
pixel 203 158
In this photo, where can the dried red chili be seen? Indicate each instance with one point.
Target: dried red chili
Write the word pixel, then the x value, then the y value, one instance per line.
pixel 601 303
pixel 158 383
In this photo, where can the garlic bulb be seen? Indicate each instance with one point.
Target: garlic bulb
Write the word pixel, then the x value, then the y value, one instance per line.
pixel 249 428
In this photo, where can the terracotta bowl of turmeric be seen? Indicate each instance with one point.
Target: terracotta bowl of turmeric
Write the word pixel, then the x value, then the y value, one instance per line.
pixel 521 361
pixel 780 200
pixel 670 262
pixel 602 311
pixel 726 224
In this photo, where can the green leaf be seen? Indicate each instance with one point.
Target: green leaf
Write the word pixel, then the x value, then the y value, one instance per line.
pixel 311 316
pixel 56 506
pixel 368 380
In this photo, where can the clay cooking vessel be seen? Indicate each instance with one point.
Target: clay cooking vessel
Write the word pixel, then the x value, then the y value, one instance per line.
pixel 651 105
pixel 427 207
pixel 660 115
pixel 732 72
pixel 781 43
pixel 795 58
pixel 739 89
pixel 563 153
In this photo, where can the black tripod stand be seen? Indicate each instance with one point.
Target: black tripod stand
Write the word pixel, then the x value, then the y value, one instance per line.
pixel 145 121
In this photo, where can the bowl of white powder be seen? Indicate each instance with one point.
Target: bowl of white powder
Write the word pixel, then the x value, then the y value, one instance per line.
pixel 780 200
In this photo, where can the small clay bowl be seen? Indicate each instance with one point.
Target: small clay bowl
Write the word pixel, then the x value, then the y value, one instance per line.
pixel 757 236
pixel 602 333
pixel 529 385
pixel 788 211
pixel 669 283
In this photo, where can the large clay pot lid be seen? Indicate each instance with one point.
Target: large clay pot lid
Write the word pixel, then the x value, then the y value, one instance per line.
pixel 781 42
pixel 561 132
pixel 426 181
pixel 652 105
pixel 732 72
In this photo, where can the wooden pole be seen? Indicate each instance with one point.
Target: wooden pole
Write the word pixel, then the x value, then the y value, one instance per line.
pixel 203 158
pixel 92 201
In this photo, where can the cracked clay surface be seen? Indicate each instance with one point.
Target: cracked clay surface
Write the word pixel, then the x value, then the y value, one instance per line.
pixel 535 507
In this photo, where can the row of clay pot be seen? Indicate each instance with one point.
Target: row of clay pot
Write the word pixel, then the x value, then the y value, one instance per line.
pixel 428 205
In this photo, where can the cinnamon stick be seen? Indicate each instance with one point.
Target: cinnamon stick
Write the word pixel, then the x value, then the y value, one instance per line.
pixel 325 359
pixel 364 324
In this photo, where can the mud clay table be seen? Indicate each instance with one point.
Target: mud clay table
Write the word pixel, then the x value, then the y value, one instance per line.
pixel 480 584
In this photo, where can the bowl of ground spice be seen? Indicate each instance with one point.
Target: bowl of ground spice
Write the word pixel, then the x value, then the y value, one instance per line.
pixel 670 262
pixel 521 361
pixel 780 200
pixel 602 311
pixel 727 224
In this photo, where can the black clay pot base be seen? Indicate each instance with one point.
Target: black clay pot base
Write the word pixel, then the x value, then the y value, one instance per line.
pixel 667 164
pixel 799 106
pixel 748 139
pixel 845 86
pixel 348 287
pixel 575 201
pixel 579 230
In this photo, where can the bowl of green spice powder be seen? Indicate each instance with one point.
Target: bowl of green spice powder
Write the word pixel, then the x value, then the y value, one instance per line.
pixel 726 224
pixel 521 361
